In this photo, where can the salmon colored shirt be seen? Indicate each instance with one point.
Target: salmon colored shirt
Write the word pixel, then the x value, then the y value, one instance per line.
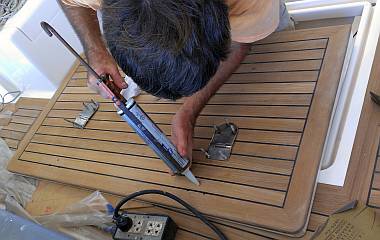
pixel 251 20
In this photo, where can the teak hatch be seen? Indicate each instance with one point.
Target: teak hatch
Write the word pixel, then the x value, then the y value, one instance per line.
pixel 281 98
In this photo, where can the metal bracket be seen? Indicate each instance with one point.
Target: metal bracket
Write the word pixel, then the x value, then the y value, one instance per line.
pixel 222 141
pixel 82 119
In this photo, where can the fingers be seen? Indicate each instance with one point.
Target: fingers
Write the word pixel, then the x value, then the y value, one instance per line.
pixel 171 172
pixel 92 84
pixel 177 138
pixel 185 146
pixel 182 144
pixel 118 79
pixel 115 77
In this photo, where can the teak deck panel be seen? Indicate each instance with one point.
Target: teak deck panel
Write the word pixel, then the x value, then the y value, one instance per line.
pixel 28 109
pixel 273 176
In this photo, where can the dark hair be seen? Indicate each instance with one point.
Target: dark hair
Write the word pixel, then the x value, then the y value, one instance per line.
pixel 171 48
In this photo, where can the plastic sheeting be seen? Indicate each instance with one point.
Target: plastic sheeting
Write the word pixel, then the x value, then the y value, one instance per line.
pixel 18 187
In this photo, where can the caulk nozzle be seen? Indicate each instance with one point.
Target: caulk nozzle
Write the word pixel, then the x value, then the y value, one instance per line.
pixel 191 177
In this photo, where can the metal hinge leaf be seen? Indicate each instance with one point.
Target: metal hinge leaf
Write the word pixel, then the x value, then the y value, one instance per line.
pixel 222 142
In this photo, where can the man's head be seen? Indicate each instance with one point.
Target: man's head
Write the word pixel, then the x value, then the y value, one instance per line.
pixel 171 48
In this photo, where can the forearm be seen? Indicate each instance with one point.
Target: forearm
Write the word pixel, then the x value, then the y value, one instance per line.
pixel 193 105
pixel 86 24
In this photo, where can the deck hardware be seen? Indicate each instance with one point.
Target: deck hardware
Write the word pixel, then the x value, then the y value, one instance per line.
pixel 222 142
pixel 82 119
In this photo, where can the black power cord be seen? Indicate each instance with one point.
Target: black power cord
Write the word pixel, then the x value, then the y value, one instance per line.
pixel 118 218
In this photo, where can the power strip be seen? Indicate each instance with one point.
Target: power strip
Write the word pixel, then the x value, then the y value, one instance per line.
pixel 145 227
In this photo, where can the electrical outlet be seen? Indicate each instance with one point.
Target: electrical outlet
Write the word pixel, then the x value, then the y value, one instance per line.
pixel 148 227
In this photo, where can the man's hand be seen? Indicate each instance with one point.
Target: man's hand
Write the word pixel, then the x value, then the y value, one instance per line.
pixel 103 63
pixel 182 133
pixel 184 121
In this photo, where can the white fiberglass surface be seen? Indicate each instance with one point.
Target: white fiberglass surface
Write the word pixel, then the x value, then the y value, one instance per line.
pixel 336 174
pixel 350 95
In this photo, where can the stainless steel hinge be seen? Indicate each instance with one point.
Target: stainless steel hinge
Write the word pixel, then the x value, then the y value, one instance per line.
pixel 82 119
pixel 221 144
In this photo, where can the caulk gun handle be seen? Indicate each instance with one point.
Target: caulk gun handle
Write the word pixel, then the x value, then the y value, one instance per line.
pixel 116 91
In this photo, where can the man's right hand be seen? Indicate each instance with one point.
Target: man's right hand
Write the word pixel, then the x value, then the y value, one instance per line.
pixel 86 25
pixel 103 63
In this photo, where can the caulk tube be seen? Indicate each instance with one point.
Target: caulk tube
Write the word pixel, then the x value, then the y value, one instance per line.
pixel 156 139
pixel 135 123
pixel 149 139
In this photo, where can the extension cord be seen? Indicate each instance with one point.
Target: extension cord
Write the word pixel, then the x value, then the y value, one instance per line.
pixel 132 226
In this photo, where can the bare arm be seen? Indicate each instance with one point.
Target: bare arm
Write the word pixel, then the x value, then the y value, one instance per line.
pixel 184 121
pixel 195 103
pixel 86 25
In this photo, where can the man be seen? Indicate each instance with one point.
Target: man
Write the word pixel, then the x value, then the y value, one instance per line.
pixel 174 48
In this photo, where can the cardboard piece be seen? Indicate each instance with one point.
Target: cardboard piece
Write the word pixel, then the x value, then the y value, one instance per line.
pixel 355 221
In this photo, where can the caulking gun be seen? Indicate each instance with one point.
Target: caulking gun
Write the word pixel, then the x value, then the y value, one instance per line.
pixel 130 111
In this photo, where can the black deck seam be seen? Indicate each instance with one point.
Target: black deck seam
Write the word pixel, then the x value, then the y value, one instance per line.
pixel 7 129
pixel 168 135
pixel 289 41
pixel 168 124
pixel 202 115
pixel 143 145
pixel 39 109
pixel 214 104
pixel 283 51
pixel 281 61
pixel 25 124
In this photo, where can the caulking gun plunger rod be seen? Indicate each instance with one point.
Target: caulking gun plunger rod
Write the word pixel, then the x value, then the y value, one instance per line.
pixel 131 112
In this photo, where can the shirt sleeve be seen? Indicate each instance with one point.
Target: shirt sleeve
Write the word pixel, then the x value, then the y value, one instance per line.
pixel 253 20
pixel 94 4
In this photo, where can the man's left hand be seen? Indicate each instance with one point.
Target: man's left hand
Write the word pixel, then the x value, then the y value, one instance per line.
pixel 182 133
